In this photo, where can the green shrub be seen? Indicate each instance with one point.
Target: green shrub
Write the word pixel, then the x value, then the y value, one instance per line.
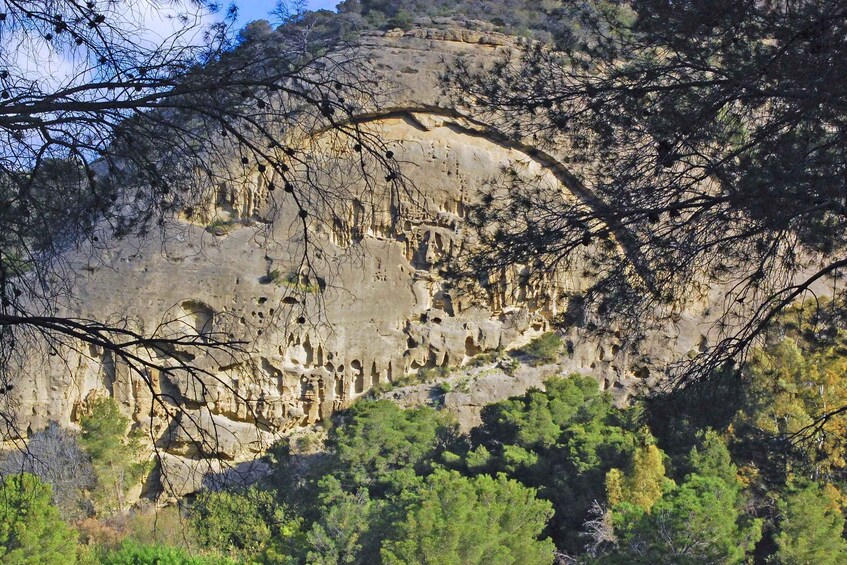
pixel 698 522
pixel 422 376
pixel 221 227
pixel 455 519
pixel 300 283
pixel 432 374
pixel 811 528
pixel 162 526
pixel 378 445
pixel 376 19
pixel 134 553
pixel 379 389
pixel 541 350
pixel 570 427
pixel 248 522
pixel 464 385
pixel 483 359
pixel 409 379
pixel 508 365
pixel 402 19
pixel 273 277
pixel 291 280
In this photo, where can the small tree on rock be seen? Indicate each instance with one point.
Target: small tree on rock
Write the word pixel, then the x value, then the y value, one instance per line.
pixel 115 454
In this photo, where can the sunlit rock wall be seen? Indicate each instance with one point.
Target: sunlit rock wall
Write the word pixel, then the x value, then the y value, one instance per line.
pixel 373 304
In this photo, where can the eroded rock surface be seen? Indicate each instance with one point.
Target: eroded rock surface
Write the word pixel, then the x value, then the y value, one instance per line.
pixel 374 305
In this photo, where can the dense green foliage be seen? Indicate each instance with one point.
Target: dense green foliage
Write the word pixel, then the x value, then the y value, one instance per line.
pixel 456 520
pixel 559 469
pixel 518 17
pixel 788 391
pixel 134 553
pixel 699 522
pixel 380 448
pixel 811 528
pixel 382 493
pixel 563 441
pixel 543 349
pixel 248 523
pixel 543 20
pixel 115 454
pixel 347 528
pixel 31 531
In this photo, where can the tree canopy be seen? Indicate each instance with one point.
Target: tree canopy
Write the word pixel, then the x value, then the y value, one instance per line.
pixel 116 454
pixel 699 522
pixel 595 485
pixel 706 141
pixel 31 530
pixel 457 520
pixel 812 528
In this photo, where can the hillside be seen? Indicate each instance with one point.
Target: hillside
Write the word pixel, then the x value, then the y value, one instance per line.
pixel 342 379
pixel 378 305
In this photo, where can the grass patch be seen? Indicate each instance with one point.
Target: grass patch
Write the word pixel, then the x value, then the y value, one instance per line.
pixel 406 380
pixel 432 374
pixel 273 277
pixel 509 365
pixel 464 385
pixel 303 284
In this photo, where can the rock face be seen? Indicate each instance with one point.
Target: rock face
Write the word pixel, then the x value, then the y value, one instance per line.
pixel 374 305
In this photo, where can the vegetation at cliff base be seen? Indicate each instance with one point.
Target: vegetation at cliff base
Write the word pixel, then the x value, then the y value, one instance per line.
pixel 541 19
pixel 559 471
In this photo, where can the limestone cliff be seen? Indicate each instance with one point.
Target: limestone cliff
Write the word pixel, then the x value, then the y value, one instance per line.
pixel 374 304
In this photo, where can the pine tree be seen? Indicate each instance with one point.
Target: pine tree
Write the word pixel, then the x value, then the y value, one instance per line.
pixel 31 531
pixel 696 523
pixel 461 521
pixel 115 454
pixel 811 529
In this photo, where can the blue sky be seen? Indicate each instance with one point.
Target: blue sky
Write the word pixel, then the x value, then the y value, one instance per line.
pixel 249 10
